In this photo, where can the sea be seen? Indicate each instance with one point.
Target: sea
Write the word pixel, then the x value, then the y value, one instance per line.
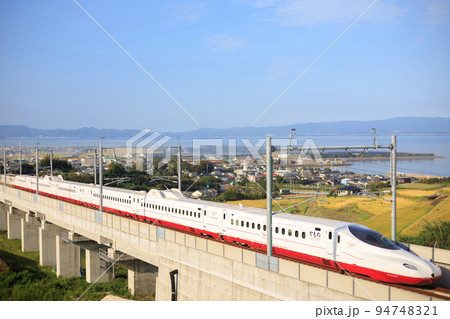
pixel 437 144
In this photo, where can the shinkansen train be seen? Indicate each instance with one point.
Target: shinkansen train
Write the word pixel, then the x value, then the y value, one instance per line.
pixel 346 246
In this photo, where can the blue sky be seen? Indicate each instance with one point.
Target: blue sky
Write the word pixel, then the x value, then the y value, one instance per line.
pixel 224 62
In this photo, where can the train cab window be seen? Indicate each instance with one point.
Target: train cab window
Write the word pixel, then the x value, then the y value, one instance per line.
pixel 371 237
pixel 253 225
pixel 296 233
pixel 290 232
pixel 339 239
pixel 282 231
pixel 276 230
pixel 224 216
pixel 330 235
pixel 259 226
pixel 264 227
pixel 303 235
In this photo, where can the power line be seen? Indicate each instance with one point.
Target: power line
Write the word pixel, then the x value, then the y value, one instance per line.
pixel 140 39
pixel 34 51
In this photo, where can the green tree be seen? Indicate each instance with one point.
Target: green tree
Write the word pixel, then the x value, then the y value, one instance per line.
pixel 437 232
pixel 116 170
pixel 26 169
pixel 58 164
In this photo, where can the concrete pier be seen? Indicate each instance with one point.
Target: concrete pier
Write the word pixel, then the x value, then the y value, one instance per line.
pixel 29 233
pixel 3 218
pixel 14 224
pixel 142 278
pixel 67 258
pixel 97 269
pixel 47 244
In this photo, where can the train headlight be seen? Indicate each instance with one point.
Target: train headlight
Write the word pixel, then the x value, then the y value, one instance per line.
pixel 410 266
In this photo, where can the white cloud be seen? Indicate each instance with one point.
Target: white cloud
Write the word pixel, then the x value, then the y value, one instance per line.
pixel 313 13
pixel 223 42
pixel 437 12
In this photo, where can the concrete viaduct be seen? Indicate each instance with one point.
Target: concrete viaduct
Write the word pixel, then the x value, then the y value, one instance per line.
pixel 206 269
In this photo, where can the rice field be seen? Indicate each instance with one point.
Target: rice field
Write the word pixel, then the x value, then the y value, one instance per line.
pixel 441 212
pixel 416 192
pixel 414 209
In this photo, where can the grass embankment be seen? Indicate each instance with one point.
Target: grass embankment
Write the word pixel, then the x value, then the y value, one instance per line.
pixel 23 279
pixel 417 204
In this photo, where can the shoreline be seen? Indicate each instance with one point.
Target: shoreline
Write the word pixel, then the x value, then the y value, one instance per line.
pixel 387 158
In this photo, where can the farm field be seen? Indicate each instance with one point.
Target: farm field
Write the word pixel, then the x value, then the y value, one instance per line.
pixel 417 204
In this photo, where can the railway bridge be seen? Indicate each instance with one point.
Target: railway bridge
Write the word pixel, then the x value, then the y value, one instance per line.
pixel 172 264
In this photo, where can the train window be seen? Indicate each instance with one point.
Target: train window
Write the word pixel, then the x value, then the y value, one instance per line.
pixel 282 231
pixel 276 230
pixel 296 233
pixel 290 232
pixel 182 212
pixel 242 223
pixel 339 239
pixel 371 237
pixel 264 227
pixel 303 235
pixel 330 235
pixel 204 212
pixel 190 214
pixel 248 224
pixel 224 216
pixel 259 226
pixel 232 221
pixel 253 225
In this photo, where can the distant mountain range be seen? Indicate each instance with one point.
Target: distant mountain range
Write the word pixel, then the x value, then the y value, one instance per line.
pixel 397 126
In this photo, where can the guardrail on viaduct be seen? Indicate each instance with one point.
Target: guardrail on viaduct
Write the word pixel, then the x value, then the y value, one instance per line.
pixel 207 269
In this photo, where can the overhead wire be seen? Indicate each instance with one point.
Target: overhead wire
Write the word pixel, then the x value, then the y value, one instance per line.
pixel 34 51
pixel 140 39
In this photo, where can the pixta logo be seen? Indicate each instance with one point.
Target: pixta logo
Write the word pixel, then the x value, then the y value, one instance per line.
pixel 142 148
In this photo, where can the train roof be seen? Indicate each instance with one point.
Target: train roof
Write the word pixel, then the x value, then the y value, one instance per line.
pixel 176 195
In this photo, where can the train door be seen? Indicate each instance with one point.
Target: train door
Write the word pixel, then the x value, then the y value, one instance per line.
pixel 333 243
pixel 134 202
pixel 330 243
pixel 204 216
pixel 224 219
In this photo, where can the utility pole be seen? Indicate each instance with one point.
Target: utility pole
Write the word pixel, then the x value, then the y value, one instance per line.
pixel 20 157
pixel 179 165
pixel 101 175
pixel 51 163
pixel 37 169
pixel 269 180
pixel 4 167
pixel 394 188
pixel 291 135
pixel 95 166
